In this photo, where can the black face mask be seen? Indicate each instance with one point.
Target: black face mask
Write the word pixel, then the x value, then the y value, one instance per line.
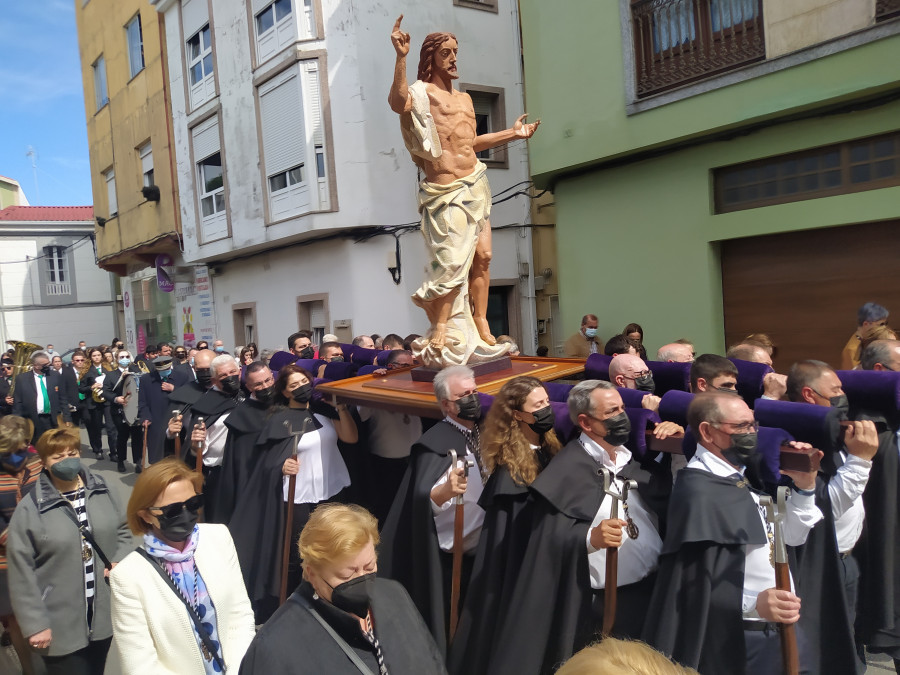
pixel 306 353
pixel 303 393
pixel 618 429
pixel 265 396
pixel 727 391
pixel 543 421
pixel 204 377
pixel 354 596
pixel 469 408
pixel 231 385
pixel 842 405
pixel 38 368
pixel 742 448
pixel 336 359
pixel 645 383
pixel 178 528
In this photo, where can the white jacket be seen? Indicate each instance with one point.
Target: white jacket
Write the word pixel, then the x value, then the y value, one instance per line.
pixel 152 631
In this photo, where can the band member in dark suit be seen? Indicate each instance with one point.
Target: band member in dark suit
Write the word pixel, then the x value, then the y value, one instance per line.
pixel 153 406
pixel 37 396
pixel 100 414
pixel 120 388
pixel 71 380
pixel 6 370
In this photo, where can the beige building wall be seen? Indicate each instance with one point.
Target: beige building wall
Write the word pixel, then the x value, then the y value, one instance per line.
pixel 546 273
pixel 795 24
pixel 137 113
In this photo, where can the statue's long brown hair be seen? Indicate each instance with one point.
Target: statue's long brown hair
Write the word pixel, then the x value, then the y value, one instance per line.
pixel 430 44
pixel 503 443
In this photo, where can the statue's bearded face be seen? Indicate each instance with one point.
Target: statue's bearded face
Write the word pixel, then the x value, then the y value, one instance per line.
pixel 445 60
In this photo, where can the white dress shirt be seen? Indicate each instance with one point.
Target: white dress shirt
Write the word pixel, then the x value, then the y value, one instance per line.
pixel 322 471
pixel 845 489
pixel 802 514
pixel 637 557
pixel 473 515
pixel 214 447
pixel 40 393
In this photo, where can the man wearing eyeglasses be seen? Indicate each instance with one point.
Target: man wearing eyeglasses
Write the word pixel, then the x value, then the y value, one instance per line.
pixel 630 371
pixel 715 606
pixel 417 539
pixel 71 380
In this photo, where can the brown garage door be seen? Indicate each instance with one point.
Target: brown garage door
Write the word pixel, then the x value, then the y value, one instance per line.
pixel 803 288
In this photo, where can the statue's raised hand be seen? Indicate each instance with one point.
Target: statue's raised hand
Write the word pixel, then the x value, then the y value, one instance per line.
pixel 400 39
pixel 523 130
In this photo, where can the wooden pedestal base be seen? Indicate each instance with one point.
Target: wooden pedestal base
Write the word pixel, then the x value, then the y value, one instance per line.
pixel 401 392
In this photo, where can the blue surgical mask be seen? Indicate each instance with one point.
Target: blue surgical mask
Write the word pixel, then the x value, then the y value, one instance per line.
pixel 590 332
pixel 220 350
pixel 165 373
pixel 124 362
pixel 14 460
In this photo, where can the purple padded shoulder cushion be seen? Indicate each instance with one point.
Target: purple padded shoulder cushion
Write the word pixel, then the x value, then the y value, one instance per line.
pixel 674 406
pixel 631 397
pixel 670 376
pixel 565 430
pixel 311 365
pixel 597 367
pixel 872 390
pixel 813 424
pixel 281 359
pixel 363 356
pixel 367 370
pixel 340 370
pixel 640 419
pixel 750 379
pixel 558 391
pixel 381 359
pixel 770 441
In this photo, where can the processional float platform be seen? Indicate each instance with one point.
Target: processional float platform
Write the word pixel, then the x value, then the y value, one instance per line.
pixel 400 391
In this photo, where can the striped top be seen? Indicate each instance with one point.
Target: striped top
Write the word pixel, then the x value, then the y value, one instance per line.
pixel 77 500
pixel 14 486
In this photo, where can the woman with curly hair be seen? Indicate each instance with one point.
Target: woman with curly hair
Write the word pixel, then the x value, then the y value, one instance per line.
pixel 518 441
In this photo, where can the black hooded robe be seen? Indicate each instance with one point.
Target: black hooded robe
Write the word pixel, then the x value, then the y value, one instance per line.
pixel 550 615
pixel 409 551
pixel 211 406
pixel 696 614
pixel 244 424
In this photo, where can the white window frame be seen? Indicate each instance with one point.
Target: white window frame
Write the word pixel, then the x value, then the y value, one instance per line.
pixel 204 88
pixel 216 196
pixel 111 198
pixel 282 31
pixel 56 264
pixel 101 90
pixel 135 40
pixel 145 152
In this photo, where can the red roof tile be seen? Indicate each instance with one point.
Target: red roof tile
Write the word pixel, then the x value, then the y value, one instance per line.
pixel 47 214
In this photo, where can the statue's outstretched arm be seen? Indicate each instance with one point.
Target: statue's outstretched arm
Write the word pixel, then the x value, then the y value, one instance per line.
pixel 398 98
pixel 518 130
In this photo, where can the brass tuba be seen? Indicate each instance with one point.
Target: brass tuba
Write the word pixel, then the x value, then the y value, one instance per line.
pixel 21 359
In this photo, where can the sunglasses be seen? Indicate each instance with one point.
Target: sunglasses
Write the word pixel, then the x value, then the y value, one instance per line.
pixel 193 505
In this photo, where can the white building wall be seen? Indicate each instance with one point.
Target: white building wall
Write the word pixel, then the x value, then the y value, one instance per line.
pixel 375 180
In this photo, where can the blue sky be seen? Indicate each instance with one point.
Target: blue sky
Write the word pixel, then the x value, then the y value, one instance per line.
pixel 42 102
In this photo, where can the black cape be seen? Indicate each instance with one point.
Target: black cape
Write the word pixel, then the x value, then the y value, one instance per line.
pixel 878 549
pixel 257 523
pixel 244 424
pixel 697 622
pixel 823 617
pixel 293 642
pixel 501 548
pixel 211 406
pixel 550 614
pixel 409 551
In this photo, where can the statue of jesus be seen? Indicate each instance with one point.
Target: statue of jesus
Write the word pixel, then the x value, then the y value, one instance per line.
pixel 438 126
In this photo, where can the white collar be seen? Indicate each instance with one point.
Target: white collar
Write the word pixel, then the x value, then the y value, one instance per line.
pixel 596 451
pixel 457 425
pixel 714 464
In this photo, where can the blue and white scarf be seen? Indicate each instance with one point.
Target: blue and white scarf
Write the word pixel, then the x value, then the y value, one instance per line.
pixel 180 566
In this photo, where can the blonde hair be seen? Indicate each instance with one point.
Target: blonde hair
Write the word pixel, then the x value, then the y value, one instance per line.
pixel 621 657
pixel 15 432
pixel 150 485
pixel 504 443
pixel 57 440
pixel 335 532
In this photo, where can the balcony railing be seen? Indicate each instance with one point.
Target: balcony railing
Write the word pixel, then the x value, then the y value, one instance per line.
pixel 58 288
pixel 887 9
pixel 677 42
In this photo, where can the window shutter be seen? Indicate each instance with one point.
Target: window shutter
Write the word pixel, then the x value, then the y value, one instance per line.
pixel 482 104
pixel 314 102
pixel 317 314
pixel 281 114
pixel 146 159
pixel 194 15
pixel 206 139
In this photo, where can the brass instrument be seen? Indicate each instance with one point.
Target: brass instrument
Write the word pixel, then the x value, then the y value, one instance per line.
pixel 97 395
pixel 21 359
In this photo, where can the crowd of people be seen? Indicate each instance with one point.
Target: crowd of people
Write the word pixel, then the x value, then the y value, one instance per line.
pixel 283 530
